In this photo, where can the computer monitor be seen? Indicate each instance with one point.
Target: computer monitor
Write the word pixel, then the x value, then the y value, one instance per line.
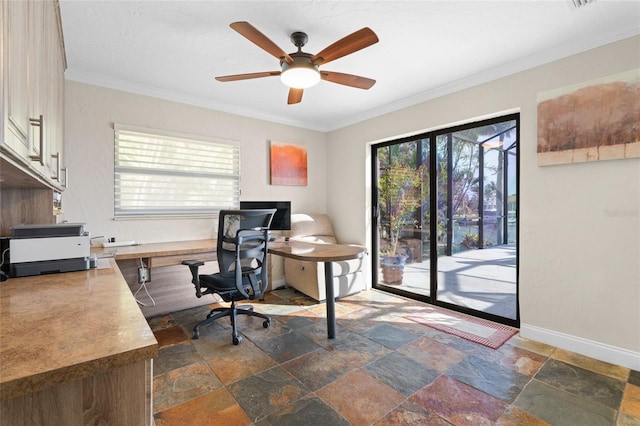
pixel 281 220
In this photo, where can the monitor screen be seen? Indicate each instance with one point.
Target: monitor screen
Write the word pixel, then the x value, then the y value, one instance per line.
pixel 281 220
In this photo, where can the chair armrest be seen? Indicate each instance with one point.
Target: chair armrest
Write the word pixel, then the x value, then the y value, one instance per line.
pixel 193 262
pixel 193 267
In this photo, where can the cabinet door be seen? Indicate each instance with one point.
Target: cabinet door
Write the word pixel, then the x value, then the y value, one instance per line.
pixel 16 117
pixel 37 85
pixel 53 79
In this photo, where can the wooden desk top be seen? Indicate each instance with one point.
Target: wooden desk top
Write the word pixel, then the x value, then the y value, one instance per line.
pixel 311 252
pixel 174 248
pixel 314 252
pixel 61 327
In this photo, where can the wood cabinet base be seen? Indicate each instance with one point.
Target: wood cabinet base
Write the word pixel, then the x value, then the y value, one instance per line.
pixel 120 396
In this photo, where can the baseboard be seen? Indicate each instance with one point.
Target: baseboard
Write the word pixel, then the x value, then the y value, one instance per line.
pixel 590 348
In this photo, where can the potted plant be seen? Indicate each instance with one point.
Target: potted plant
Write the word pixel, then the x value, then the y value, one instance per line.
pixel 398 200
pixel 472 241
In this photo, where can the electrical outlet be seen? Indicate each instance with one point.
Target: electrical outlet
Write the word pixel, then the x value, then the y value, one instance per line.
pixel 143 275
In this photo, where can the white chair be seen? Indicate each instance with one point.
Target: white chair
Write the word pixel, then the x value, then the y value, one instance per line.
pixel 308 277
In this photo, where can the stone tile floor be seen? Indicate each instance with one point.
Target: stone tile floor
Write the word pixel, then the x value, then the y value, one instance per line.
pixel 380 370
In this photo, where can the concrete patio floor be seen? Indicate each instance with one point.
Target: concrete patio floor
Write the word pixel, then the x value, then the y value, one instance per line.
pixel 484 280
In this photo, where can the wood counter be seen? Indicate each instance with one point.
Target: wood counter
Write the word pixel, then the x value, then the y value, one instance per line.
pixel 74 344
pixel 162 254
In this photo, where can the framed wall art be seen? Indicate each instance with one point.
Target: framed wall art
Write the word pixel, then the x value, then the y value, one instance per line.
pixel 591 121
pixel 288 164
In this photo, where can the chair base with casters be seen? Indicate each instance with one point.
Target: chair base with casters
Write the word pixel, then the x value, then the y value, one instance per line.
pixel 208 284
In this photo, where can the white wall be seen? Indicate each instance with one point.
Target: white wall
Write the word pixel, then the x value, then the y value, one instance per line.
pixel 579 224
pixel 90 112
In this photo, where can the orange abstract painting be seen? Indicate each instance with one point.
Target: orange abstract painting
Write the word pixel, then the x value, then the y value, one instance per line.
pixel 288 164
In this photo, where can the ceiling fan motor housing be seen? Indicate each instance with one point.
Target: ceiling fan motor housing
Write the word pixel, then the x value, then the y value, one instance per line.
pixel 299 39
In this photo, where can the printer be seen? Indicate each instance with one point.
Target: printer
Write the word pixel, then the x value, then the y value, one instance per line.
pixel 47 249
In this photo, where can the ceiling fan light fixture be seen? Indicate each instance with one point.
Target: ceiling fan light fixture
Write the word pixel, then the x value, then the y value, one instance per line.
pixel 300 76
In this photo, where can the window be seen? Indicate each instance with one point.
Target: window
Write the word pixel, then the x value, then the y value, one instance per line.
pixel 159 173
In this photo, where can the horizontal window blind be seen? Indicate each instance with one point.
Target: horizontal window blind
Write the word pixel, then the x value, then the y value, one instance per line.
pixel 166 174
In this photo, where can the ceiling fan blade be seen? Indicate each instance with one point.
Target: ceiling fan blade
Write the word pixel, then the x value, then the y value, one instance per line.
pixel 256 37
pixel 237 77
pixel 295 96
pixel 347 79
pixel 352 43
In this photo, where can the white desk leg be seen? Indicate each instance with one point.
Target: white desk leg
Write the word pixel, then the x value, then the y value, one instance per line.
pixel 331 300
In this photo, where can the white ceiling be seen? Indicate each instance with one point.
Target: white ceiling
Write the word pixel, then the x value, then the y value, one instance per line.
pixel 174 49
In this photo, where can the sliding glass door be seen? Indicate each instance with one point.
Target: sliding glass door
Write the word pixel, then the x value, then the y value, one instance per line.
pixel 445 231
pixel 403 231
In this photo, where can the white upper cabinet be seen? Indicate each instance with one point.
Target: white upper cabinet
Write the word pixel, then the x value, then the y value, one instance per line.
pixel 33 118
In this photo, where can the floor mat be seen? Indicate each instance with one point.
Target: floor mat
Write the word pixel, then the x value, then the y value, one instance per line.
pixel 477 330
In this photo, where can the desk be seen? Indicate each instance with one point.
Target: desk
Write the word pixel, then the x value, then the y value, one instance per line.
pixel 173 253
pixel 326 253
pixel 168 281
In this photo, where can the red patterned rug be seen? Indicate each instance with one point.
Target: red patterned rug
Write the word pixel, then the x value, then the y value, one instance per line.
pixel 477 330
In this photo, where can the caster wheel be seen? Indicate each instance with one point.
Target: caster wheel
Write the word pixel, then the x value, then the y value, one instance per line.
pixel 266 324
pixel 237 340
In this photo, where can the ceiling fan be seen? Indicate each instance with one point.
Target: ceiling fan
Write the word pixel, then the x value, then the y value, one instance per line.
pixel 300 70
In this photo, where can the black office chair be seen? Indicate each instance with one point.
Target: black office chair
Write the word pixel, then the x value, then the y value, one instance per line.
pixel 243 238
